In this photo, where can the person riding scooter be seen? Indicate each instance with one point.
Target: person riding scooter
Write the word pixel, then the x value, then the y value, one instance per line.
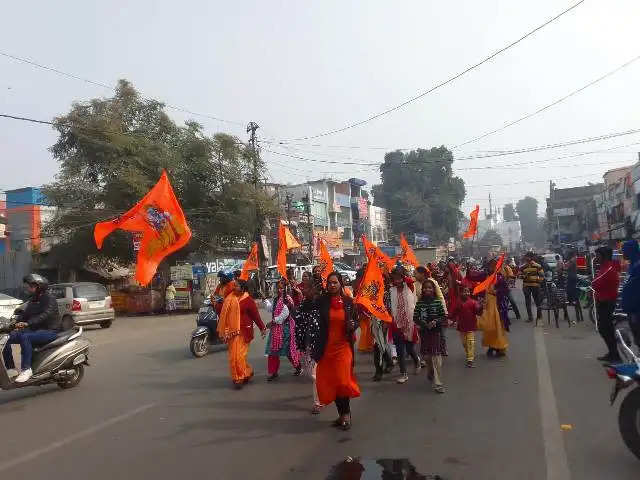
pixel 39 324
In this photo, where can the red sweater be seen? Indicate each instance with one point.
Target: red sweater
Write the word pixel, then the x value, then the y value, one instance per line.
pixel 248 316
pixel 607 282
pixel 465 315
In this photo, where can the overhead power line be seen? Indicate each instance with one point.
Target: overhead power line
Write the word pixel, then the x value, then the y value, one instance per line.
pixel 445 82
pixel 109 87
pixel 548 106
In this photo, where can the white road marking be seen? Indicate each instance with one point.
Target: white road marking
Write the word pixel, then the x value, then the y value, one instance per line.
pixel 72 438
pixel 554 450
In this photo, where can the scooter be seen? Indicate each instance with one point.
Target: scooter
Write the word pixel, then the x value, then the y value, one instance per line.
pixel 625 375
pixel 61 361
pixel 206 332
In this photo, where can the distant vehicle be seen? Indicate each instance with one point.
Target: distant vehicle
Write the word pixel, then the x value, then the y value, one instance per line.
pixel 550 260
pixel 348 273
pixel 8 305
pixel 83 303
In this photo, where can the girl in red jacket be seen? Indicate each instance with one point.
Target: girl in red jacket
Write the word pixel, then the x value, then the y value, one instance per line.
pixel 605 286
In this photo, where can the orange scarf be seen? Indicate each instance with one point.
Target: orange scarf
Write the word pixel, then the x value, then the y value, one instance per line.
pixel 229 322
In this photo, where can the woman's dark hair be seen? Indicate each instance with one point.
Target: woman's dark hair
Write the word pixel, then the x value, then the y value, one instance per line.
pixel 243 285
pixel 422 270
pixel 605 252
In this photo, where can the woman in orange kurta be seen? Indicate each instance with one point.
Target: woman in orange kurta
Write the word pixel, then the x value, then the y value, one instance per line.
pixel 333 350
pixel 235 328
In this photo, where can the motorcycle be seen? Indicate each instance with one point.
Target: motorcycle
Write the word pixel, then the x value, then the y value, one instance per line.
pixel 206 332
pixel 626 375
pixel 61 361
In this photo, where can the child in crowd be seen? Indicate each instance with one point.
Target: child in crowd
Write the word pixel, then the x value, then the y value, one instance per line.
pixel 429 316
pixel 465 318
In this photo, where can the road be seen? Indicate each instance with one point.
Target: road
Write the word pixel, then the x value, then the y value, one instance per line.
pixel 147 409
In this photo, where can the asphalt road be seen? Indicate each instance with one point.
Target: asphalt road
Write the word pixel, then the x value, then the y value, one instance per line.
pixel 147 409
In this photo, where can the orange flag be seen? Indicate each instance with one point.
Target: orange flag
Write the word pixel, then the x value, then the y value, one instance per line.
pixel 374 253
pixel 407 255
pixel 324 261
pixel 371 292
pixel 473 224
pixel 286 241
pixel 251 263
pixel 491 279
pixel 160 219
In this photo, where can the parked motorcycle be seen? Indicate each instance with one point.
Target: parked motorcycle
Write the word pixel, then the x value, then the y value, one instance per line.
pixel 61 361
pixel 206 333
pixel 626 375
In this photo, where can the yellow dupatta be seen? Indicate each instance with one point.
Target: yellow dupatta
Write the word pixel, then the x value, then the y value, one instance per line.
pixel 229 321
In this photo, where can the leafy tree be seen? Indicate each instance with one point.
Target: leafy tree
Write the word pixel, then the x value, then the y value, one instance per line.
pixel 491 237
pixel 112 151
pixel 421 192
pixel 532 227
pixel 509 213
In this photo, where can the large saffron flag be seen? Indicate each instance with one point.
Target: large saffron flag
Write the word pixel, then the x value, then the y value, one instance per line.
pixel 375 254
pixel 473 224
pixel 407 255
pixel 251 263
pixel 371 292
pixel 491 279
pixel 324 261
pixel 286 241
pixel 160 220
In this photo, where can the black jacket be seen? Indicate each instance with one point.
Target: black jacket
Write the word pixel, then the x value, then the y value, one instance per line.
pixel 42 313
pixel 319 339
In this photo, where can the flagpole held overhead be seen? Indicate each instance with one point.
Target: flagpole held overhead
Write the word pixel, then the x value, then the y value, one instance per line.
pixel 160 220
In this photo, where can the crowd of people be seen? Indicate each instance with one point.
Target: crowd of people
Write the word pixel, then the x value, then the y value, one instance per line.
pixel 314 322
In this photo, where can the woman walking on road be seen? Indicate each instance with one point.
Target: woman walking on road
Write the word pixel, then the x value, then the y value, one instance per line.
pixel 494 321
pixel 307 321
pixel 282 333
pixel 429 315
pixel 403 303
pixel 333 350
pixel 235 327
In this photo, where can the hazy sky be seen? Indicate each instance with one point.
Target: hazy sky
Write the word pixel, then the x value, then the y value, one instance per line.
pixel 301 68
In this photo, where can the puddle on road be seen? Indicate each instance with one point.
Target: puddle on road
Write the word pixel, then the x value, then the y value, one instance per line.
pixel 377 469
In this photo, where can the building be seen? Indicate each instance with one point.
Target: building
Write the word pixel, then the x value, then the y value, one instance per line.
pixel 572 214
pixel 338 212
pixel 23 216
pixel 378 225
pixel 616 205
pixel 4 238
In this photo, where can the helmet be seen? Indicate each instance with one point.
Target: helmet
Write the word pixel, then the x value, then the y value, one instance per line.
pixel 35 279
pixel 39 281
pixel 225 276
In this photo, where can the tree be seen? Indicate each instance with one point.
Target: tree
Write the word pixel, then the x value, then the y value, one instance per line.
pixel 491 237
pixel 421 193
pixel 112 151
pixel 509 213
pixel 532 227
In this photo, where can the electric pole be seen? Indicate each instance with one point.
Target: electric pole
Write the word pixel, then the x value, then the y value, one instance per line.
pixel 255 158
pixel 288 199
pixel 307 209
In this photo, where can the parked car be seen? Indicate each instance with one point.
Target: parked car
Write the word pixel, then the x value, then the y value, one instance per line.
pixel 83 303
pixel 8 305
pixel 348 273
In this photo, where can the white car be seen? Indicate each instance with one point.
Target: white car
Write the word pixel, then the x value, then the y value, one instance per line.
pixel 347 272
pixel 8 305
